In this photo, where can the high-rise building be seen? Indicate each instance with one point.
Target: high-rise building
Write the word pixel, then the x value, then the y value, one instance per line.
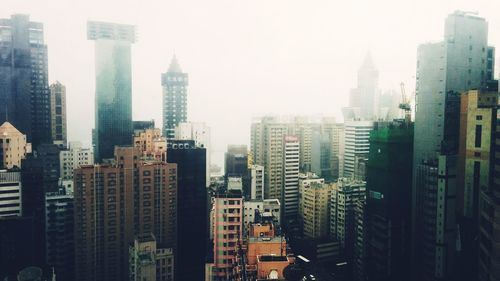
pixel 141 125
pixel 290 191
pixel 74 157
pixel 10 190
pixel 267 146
pixel 334 133
pixel 255 210
pixel 17 245
pixel 444 70
pixel 58 114
pixel 478 113
pixel 314 210
pixel 113 89
pixel 13 146
pixel 151 143
pixel 200 133
pixel 489 213
pixel 303 128
pixel 355 143
pixel 48 157
pixel 150 261
pixel 236 161
pixel 24 87
pixel 174 83
pixel 365 97
pixel 228 231
pixel 59 233
pixel 387 213
pixel 113 204
pixel 256 182
pixel 192 211
pixel 342 216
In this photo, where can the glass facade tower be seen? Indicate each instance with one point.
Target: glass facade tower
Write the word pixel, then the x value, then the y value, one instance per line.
pixel 113 89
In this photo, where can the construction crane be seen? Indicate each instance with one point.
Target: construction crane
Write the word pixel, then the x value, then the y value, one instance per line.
pixel 405 104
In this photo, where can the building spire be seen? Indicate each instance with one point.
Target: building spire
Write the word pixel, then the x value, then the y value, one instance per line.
pixel 174 65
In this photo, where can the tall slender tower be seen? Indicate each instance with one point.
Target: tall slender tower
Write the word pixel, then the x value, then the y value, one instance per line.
pixel 174 83
pixel 113 89
pixel 365 96
pixel 58 113
pixel 24 87
pixel 444 70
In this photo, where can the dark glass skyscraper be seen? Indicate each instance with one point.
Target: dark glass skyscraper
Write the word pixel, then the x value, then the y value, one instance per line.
pixel 113 89
pixel 192 226
pixel 388 201
pixel 174 83
pixel 24 89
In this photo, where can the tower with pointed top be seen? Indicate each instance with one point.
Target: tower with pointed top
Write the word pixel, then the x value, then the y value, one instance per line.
pixel 365 96
pixel 174 83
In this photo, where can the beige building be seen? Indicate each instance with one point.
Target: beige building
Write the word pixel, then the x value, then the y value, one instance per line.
pixel 13 146
pixel 151 143
pixel 58 113
pixel 149 261
pixel 314 208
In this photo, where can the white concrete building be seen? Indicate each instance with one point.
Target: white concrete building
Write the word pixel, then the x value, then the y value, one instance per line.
pixel 73 158
pixel 266 207
pixel 290 196
pixel 256 182
pixel 10 194
pixel 355 142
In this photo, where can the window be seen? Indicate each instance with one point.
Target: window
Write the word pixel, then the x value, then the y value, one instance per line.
pixel 479 117
pixel 479 130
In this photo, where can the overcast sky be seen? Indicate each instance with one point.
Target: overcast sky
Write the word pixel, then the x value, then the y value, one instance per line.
pixel 244 58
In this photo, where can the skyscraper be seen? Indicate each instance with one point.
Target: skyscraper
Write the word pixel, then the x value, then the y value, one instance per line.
pixel 444 70
pixel 290 191
pixel 58 114
pixel 192 225
pixel 174 83
pixel 24 87
pixel 13 146
pixel 115 203
pixel 355 143
pixel 387 215
pixel 365 97
pixel 113 89
pixel 200 133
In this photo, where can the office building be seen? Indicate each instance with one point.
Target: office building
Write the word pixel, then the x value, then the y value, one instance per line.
pixel 342 216
pixel 13 146
pixel 444 70
pixel 267 146
pixel 228 230
pixel 174 83
pixel 359 260
pixel 48 157
pixel 10 193
pixel 192 211
pixel 236 161
pixel 59 233
pixel 355 143
pixel 200 133
pixel 113 88
pixel 314 209
pixel 387 213
pixel 24 87
pixel 321 158
pixel 58 114
pixel 116 202
pixel 334 132
pixel 290 195
pixel 149 260
pixel 256 182
pixel 365 97
pixel 72 158
pixel 303 128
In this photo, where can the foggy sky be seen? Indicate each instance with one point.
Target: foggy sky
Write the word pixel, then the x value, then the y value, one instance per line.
pixel 244 58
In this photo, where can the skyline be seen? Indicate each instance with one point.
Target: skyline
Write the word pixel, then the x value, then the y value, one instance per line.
pixel 265 55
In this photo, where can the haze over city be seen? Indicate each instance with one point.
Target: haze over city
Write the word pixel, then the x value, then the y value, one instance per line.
pixel 244 58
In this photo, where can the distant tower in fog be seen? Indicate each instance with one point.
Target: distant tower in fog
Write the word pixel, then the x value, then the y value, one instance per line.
pixel 365 96
pixel 174 83
pixel 113 89
pixel 58 113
